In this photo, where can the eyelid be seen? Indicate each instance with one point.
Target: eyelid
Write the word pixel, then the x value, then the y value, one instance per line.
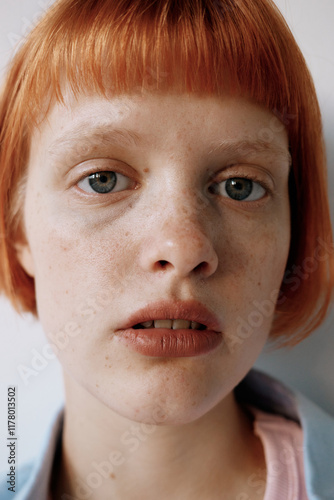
pixel 254 173
pixel 96 165
pixel 116 190
pixel 265 185
pixel 250 196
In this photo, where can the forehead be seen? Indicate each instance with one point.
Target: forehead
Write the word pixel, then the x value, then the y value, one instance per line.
pixel 159 120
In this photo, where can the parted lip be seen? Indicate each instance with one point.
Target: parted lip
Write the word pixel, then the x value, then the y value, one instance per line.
pixel 190 310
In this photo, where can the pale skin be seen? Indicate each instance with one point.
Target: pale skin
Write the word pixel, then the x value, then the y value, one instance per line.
pixel 169 205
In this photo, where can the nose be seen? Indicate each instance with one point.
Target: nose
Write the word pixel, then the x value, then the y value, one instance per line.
pixel 179 243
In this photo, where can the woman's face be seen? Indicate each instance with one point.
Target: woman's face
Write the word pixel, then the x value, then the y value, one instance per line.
pixel 191 205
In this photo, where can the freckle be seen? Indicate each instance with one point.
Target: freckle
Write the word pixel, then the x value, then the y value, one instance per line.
pixel 109 366
pixel 107 357
pixel 146 170
pixel 112 475
pixel 97 385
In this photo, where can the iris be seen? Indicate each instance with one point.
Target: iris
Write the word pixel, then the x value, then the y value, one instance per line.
pixel 103 182
pixel 239 188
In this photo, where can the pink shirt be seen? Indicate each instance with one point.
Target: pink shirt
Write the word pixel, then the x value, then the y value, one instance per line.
pixel 282 442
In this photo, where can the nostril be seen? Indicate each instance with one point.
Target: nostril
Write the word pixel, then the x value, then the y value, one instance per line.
pixel 163 263
pixel 203 266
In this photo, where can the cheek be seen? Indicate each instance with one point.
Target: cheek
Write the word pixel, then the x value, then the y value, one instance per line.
pixel 256 252
pixel 78 285
pixel 259 260
pixel 75 270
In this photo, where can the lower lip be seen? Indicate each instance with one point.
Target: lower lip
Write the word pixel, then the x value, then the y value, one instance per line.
pixel 164 342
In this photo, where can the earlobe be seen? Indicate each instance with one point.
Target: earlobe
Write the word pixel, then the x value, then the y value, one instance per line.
pixel 24 257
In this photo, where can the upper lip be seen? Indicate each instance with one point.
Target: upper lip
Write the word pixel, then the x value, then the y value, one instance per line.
pixel 190 310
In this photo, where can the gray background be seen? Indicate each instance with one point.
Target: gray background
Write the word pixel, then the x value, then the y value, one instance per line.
pixel 308 367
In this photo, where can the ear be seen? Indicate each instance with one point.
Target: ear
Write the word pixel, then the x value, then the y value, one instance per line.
pixel 24 256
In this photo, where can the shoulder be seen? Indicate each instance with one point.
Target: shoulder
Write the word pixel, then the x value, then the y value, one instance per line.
pixel 10 486
pixel 31 481
pixel 318 429
pixel 273 397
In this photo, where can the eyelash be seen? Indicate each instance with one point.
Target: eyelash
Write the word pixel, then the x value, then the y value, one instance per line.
pixel 255 179
pixel 117 174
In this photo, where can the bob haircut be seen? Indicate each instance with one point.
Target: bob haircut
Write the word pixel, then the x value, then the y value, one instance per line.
pixel 217 47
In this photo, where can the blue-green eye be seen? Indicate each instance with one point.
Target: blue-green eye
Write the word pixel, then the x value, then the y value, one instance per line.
pixel 241 189
pixel 104 182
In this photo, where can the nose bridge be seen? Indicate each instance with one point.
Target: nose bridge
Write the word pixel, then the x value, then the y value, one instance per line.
pixel 181 237
pixel 182 196
pixel 186 212
pixel 179 203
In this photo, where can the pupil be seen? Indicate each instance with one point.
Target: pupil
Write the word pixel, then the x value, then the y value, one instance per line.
pixel 103 182
pixel 239 189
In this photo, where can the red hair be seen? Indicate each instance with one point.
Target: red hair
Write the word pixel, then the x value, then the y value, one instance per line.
pixel 203 46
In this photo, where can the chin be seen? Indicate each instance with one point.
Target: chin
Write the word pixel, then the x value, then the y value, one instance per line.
pixel 164 404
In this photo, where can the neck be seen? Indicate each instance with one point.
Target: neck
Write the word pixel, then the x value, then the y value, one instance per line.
pixel 105 455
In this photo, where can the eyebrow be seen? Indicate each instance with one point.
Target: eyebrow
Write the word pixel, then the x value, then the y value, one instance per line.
pixel 248 147
pixel 85 138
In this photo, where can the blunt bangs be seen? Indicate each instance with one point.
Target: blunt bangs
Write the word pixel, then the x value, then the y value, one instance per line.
pixel 210 47
pixel 217 47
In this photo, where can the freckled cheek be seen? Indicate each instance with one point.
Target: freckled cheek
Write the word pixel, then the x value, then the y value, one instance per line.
pixel 74 266
pixel 252 292
pixel 256 258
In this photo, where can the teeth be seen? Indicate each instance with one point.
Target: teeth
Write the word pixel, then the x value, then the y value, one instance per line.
pixel 174 324
pixel 180 323
pixel 147 324
pixel 163 323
